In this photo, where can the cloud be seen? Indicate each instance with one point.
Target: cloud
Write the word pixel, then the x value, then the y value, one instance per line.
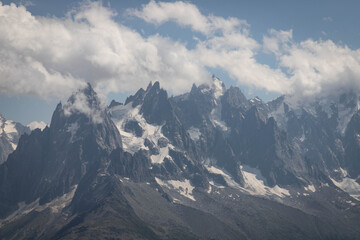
pixel 227 45
pixel 49 56
pixel 187 15
pixel 34 125
pixel 320 68
pixel 235 53
pixel 58 55
pixel 327 19
pixel 314 68
pixel 306 69
pixel 276 40
pixel 91 106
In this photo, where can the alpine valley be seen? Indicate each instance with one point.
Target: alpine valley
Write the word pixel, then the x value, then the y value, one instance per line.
pixel 208 164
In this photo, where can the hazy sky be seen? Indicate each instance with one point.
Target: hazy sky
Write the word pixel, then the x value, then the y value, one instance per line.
pixel 48 49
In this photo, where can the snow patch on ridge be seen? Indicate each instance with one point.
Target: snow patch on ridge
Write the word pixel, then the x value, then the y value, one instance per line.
pixel 254 182
pixel 59 203
pixel 255 100
pixel 56 205
pixel 228 179
pixel 194 133
pixel 121 114
pixel 182 187
pixel 13 145
pixel 163 153
pixel 9 129
pixel 310 188
pixel 348 185
pixel 215 118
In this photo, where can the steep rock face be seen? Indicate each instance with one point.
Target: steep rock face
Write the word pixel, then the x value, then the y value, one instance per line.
pixel 257 140
pixel 232 131
pixel 318 130
pixel 261 144
pixel 201 112
pixel 194 108
pixel 156 107
pixel 48 163
pixel 352 146
pixel 234 106
pixel 10 133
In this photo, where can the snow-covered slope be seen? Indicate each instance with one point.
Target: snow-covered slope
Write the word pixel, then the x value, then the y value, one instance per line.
pixel 147 135
pixel 10 133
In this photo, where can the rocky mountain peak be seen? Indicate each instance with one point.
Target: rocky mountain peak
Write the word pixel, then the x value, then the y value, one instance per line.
pixel 114 104
pixel 233 97
pixel 85 116
pixel 156 107
pixel 80 138
pixel 10 133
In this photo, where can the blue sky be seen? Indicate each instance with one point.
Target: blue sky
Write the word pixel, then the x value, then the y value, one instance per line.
pixel 302 35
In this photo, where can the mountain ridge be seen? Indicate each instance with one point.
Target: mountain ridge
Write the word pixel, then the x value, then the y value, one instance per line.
pixel 206 164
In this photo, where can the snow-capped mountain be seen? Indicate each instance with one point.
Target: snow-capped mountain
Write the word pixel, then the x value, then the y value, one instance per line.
pixel 10 133
pixel 208 164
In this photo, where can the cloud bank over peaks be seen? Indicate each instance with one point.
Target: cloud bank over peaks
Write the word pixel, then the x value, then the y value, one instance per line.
pixel 304 70
pixel 228 44
pixel 55 56
pixel 315 68
pixel 51 57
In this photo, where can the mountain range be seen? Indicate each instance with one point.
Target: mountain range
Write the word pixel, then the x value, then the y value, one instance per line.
pixel 207 164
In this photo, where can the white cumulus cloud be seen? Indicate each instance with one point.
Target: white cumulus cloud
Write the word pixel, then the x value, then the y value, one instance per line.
pixel 276 41
pixel 50 56
pixel 228 44
pixel 35 124
pixel 185 14
pixel 315 68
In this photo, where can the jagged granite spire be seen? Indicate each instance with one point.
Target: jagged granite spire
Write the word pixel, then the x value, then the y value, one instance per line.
pixel 48 163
